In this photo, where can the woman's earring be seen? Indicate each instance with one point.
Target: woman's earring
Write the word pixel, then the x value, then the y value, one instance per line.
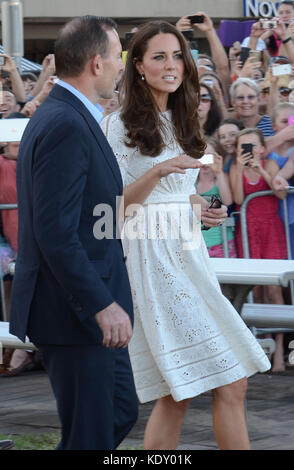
pixel 142 77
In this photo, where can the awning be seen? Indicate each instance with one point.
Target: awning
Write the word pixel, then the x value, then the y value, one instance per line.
pixel 27 65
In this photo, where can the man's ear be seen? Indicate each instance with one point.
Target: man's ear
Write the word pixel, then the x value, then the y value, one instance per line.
pixel 96 64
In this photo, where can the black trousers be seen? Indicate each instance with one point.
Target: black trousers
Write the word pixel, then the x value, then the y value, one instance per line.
pixel 95 393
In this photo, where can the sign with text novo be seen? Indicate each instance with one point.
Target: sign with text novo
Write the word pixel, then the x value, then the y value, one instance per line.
pixel 265 9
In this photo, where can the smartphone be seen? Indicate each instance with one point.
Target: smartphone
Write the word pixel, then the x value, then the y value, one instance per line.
pixel 196 19
pixel 215 202
pixel 208 82
pixel 207 159
pixel 244 54
pixel 291 120
pixel 254 55
pixel 2 60
pixel 189 34
pixel 285 69
pixel 247 148
pixel 194 53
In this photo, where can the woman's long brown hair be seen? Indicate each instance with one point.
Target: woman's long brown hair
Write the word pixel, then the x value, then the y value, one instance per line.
pixel 140 113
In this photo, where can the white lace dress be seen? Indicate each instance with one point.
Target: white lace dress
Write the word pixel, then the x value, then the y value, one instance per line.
pixel 187 337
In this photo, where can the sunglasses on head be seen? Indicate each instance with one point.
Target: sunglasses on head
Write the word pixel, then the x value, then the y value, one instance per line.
pixel 285 91
pixel 205 98
pixel 265 91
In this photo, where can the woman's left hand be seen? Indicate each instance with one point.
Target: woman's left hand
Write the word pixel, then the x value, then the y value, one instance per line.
pixel 255 165
pixel 214 217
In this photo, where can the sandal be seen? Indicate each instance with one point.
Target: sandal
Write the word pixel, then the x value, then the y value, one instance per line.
pixel 27 364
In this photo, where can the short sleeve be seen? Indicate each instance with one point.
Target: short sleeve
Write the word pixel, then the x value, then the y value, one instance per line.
pixel 115 133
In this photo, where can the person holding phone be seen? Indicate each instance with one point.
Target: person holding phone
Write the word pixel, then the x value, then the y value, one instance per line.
pixel 212 181
pixel 283 120
pixel 188 338
pixel 17 87
pixel 266 234
pixel 202 22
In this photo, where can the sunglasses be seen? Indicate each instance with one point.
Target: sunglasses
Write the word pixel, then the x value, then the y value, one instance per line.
pixel 205 98
pixel 285 91
pixel 265 91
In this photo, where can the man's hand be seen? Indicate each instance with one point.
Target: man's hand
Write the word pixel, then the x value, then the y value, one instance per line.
pixel 115 325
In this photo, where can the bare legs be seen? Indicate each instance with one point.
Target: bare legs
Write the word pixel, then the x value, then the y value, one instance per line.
pixel 229 421
pixel 274 295
pixel 165 423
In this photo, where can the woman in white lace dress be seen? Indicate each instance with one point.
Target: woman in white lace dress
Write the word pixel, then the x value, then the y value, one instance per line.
pixel 187 336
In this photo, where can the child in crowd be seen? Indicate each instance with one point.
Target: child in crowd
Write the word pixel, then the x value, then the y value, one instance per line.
pixel 266 235
pixel 213 181
pixel 227 135
pixel 281 117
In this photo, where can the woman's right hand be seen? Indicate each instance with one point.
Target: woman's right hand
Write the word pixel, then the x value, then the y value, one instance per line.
pixel 244 158
pixel 177 165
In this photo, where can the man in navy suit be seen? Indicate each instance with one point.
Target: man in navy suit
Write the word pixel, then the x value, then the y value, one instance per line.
pixel 71 294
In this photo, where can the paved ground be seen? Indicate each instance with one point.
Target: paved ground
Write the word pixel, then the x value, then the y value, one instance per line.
pixel 28 407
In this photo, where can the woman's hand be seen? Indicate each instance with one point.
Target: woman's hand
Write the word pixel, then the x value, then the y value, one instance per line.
pixel 217 165
pixel 244 159
pixel 176 165
pixel 280 183
pixel 214 217
pixel 183 23
pixel 255 165
pixel 9 66
pixel 207 25
pixel 250 67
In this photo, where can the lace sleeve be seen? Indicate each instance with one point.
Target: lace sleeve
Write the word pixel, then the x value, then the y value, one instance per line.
pixel 114 131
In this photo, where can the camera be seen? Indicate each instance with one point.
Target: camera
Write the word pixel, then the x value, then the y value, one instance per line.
pixel 2 60
pixel 283 69
pixel 269 24
pixel 196 19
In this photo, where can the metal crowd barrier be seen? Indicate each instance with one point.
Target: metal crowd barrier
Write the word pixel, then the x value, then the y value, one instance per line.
pixel 264 318
pixel 2 290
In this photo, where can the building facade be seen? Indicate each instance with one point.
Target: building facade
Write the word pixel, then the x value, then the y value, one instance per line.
pixel 43 18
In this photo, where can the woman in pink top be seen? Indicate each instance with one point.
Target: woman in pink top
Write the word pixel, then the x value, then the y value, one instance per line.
pixel 8 193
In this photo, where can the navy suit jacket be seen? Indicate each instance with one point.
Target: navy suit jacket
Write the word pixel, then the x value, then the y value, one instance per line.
pixel 64 275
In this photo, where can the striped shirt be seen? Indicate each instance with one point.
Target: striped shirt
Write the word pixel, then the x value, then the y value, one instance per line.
pixel 265 125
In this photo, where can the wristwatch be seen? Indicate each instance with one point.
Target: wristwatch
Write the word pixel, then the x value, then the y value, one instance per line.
pixel 284 41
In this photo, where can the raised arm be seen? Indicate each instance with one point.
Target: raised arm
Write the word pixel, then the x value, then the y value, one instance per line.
pixel 48 70
pixel 15 78
pixel 217 50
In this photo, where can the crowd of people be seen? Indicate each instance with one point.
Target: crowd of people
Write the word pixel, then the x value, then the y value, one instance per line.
pixel 246 114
